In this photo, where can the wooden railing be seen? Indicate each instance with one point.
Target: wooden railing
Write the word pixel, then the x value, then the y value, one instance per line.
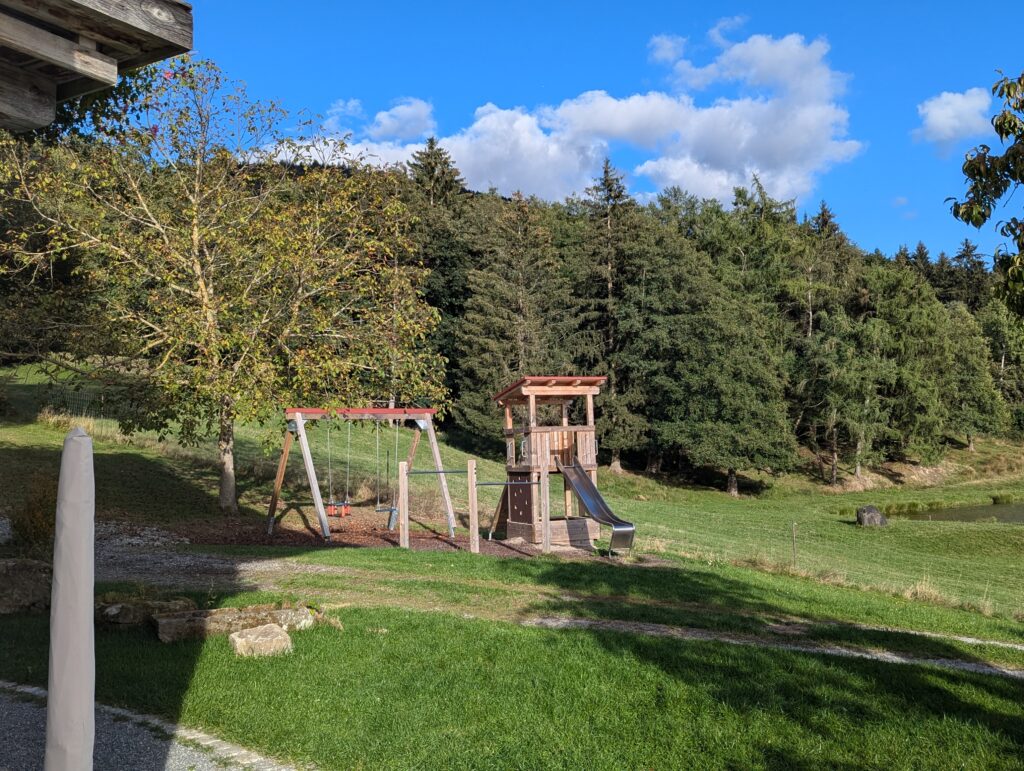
pixel 566 443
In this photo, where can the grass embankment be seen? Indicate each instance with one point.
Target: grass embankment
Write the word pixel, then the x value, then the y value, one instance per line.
pixel 400 689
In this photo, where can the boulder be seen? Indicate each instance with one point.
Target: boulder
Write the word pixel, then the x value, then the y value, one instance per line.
pixel 24 585
pixel 200 624
pixel 266 640
pixel 870 516
pixel 133 612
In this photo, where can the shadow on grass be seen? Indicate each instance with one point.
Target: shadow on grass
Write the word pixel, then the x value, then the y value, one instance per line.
pixel 857 690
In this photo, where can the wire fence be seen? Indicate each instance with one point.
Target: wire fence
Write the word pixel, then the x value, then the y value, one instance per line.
pixel 915 559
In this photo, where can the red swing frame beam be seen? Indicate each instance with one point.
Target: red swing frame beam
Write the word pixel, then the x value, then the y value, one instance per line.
pixel 298 416
pixel 370 413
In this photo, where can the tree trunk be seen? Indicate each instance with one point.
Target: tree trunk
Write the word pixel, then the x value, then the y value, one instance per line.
pixel 731 485
pixel 226 449
pixel 616 466
pixel 860 449
pixel 834 472
pixel 970 443
pixel 654 462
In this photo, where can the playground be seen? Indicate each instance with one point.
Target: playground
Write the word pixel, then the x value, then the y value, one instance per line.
pixel 523 513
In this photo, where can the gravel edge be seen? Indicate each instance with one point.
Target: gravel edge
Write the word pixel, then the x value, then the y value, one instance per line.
pixel 230 754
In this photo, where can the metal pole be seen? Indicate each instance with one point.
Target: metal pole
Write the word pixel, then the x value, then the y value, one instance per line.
pixel 474 514
pixel 70 703
pixel 794 545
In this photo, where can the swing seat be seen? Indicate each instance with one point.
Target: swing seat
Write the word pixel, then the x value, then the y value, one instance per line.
pixel 346 509
pixel 331 509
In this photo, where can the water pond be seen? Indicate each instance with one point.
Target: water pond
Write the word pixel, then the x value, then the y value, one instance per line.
pixel 999 512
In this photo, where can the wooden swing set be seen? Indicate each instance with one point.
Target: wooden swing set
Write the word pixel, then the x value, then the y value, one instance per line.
pixel 298 417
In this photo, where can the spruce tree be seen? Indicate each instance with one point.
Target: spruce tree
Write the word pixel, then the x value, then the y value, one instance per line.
pixel 617 245
pixel 519 320
pixel 434 172
pixel 718 386
pixel 973 401
pixel 908 328
pixel 437 199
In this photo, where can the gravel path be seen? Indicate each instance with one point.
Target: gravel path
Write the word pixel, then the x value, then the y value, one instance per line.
pixel 124 740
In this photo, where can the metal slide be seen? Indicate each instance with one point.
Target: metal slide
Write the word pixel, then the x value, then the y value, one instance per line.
pixel 580 483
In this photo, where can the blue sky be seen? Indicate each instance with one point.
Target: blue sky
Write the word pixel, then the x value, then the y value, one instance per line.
pixel 869 106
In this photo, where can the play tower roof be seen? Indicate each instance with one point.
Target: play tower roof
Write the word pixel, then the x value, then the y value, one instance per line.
pixel 549 388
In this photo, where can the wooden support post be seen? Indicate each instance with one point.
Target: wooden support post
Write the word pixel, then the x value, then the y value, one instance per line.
pixel 314 485
pixel 572 456
pixel 545 497
pixel 412 447
pixel 474 513
pixel 442 480
pixel 403 505
pixel 510 440
pixel 282 466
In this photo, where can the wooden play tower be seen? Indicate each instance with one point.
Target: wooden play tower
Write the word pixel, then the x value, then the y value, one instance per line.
pixel 539 442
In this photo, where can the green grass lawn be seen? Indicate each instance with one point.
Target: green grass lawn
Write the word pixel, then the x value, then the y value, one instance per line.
pixel 402 689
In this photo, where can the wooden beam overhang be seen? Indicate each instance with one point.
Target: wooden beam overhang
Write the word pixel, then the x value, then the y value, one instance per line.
pixel 52 50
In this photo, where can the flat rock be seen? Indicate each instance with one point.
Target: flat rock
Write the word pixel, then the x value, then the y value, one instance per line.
pixel 200 624
pixel 24 585
pixel 133 612
pixel 870 516
pixel 266 640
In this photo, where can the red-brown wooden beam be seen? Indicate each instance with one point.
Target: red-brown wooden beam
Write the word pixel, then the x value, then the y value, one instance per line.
pixel 384 413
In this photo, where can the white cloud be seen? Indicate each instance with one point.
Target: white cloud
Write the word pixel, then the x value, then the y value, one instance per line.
pixel 716 33
pixel 339 110
pixel 666 48
pixel 411 118
pixel 952 116
pixel 777 114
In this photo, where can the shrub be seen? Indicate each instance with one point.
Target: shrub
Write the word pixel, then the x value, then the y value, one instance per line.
pixel 34 521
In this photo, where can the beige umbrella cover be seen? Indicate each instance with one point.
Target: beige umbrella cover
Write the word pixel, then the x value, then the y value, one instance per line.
pixel 70 706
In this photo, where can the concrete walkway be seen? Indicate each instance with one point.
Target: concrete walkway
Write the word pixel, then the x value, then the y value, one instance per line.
pixel 124 740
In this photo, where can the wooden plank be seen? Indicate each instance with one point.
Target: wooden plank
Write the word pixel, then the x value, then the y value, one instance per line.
pixel 412 448
pixel 27 101
pixel 403 505
pixel 81 58
pixel 130 25
pixel 500 512
pixel 554 391
pixel 362 413
pixel 442 479
pixel 282 466
pixel 545 500
pixel 314 485
pixel 474 513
